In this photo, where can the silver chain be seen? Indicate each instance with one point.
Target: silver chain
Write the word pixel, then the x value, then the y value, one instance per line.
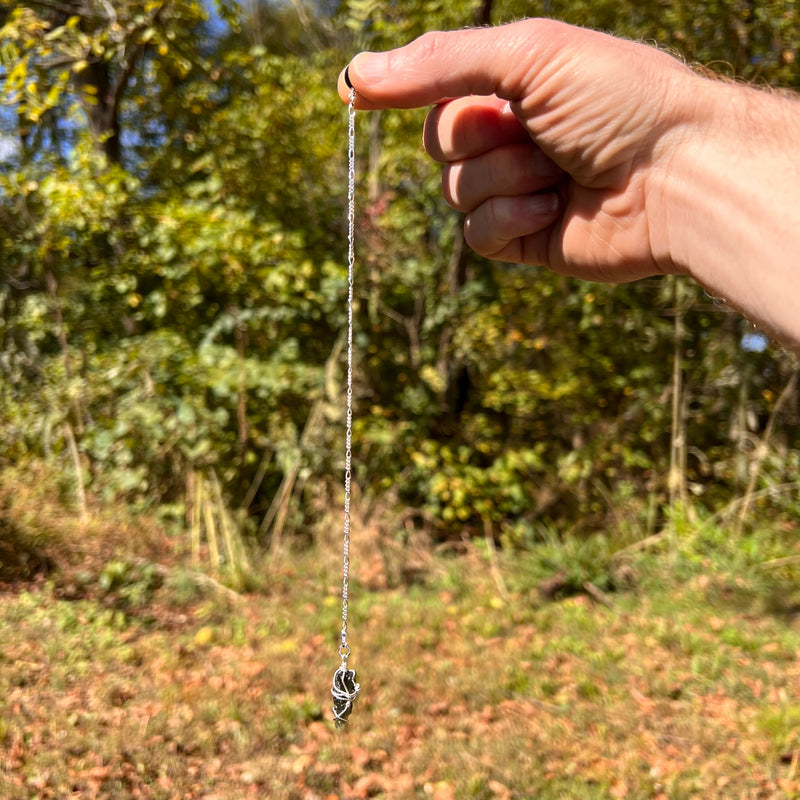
pixel 344 648
pixel 345 689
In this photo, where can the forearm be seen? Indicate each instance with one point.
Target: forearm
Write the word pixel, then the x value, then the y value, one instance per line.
pixel 731 205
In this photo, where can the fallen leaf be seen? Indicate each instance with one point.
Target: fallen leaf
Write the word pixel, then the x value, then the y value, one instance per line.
pixel 368 785
pixel 500 790
pixel 302 763
pixel 441 790
pixel 619 790
pixel 360 756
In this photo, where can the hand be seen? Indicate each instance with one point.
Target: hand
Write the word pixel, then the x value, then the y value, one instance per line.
pixel 557 145
pixel 606 160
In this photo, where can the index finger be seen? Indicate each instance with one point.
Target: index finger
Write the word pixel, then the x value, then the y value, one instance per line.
pixel 469 126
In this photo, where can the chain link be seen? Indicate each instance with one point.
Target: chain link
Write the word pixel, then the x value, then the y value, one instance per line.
pixel 344 647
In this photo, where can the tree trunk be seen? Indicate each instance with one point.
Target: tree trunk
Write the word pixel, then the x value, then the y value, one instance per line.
pixel 103 114
pixel 483 13
pixel 676 481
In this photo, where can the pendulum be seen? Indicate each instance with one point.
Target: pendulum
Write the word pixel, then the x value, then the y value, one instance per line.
pixel 345 689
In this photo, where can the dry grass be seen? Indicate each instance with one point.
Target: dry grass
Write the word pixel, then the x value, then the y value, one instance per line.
pixel 152 685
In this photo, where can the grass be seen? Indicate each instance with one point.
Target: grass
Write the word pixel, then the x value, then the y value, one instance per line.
pixel 123 677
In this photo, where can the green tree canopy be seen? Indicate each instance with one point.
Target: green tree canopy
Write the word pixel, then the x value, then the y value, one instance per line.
pixel 173 231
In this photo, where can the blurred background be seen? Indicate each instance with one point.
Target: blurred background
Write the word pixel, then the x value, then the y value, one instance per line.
pixel 172 322
pixel 173 289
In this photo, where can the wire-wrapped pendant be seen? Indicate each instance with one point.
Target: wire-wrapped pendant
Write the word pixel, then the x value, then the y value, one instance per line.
pixel 344 693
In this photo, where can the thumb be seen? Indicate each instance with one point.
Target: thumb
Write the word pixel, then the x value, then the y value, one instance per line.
pixel 443 65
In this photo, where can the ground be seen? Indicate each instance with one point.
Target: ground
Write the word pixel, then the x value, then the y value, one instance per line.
pixel 126 674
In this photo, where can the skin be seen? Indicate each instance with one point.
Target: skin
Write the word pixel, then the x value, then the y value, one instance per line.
pixel 605 159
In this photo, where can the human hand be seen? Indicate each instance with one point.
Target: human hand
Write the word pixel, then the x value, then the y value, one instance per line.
pixel 556 140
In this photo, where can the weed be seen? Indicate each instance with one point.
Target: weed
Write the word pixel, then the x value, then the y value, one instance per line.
pixel 184 589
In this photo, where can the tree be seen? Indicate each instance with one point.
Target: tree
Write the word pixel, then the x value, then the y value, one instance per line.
pixel 56 51
pixel 173 236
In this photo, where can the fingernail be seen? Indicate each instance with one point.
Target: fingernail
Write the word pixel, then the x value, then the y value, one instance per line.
pixel 371 68
pixel 543 204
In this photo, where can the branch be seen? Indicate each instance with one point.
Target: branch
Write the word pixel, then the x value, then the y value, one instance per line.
pixel 305 21
pixel 491 551
pixel 131 62
pixel 786 561
pixel 61 8
pixel 597 594
pixel 762 451
pixel 63 61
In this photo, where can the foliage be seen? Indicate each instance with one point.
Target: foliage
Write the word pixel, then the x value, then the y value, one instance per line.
pixel 172 233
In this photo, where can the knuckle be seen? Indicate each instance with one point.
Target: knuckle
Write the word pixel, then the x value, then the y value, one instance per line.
pixel 498 213
pixel 447 191
pixel 430 134
pixel 429 45
pixel 451 189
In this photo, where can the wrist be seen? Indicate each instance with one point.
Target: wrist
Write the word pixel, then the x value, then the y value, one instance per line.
pixel 726 201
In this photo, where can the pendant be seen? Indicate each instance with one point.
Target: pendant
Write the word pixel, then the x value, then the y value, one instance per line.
pixel 344 693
